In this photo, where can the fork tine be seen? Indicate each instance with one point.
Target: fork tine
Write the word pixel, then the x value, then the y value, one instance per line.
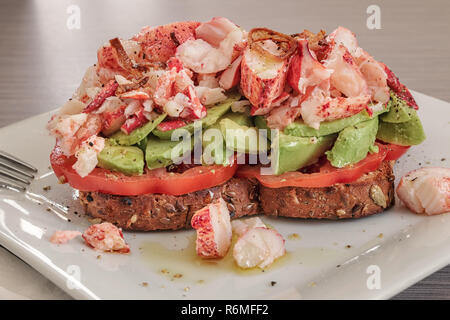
pixel 11 175
pixel 7 185
pixel 15 169
pixel 9 157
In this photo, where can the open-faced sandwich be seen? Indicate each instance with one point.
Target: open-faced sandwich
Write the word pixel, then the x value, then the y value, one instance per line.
pixel 187 115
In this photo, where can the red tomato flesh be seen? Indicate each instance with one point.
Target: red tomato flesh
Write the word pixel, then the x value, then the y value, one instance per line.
pixel 395 151
pixel 327 175
pixel 152 181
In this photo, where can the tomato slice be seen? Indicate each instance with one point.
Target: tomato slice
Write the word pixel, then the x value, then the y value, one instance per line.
pixel 395 151
pixel 327 175
pixel 152 181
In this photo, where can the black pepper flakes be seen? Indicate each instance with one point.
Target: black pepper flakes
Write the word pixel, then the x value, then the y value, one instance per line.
pixel 127 201
pixel 273 283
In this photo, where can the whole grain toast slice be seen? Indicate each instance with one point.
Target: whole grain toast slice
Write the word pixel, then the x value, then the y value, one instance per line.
pixel 372 193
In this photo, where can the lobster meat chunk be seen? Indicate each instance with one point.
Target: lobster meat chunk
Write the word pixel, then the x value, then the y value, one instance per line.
pixel 213 230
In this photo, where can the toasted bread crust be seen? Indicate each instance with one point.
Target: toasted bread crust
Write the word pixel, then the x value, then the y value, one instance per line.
pixel 370 194
pixel 165 212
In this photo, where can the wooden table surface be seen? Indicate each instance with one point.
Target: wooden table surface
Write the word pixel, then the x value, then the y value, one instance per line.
pixel 42 60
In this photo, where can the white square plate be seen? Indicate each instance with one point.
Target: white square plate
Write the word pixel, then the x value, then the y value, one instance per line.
pixel 327 260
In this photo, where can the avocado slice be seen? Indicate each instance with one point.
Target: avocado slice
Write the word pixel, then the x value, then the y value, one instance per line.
pixel 241 138
pixel 138 134
pixel 291 153
pixel 405 134
pixel 213 114
pixel 353 143
pixel 210 145
pixel 240 118
pixel 399 111
pixel 159 152
pixel 300 129
pixel 125 159
pixel 142 144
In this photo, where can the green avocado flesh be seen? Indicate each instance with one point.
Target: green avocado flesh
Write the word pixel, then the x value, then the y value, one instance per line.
pixel 399 111
pixel 216 151
pixel 291 153
pixel 136 135
pixel 242 138
pixel 353 143
pixel 128 160
pixel 300 129
pixel 344 141
pixel 160 153
pixel 407 133
pixel 214 113
pixel 142 144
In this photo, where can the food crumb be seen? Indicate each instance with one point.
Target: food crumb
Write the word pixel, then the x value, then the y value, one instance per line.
pixel 312 284
pixel 338 266
pixel 144 284
pixel 273 283
pixel 177 275
pixel 380 235
pixel 47 188
pixel 99 257
pixel 201 281
pixel 294 236
pixel 187 289
pixel 348 246
pixel 443 159
pixel 164 271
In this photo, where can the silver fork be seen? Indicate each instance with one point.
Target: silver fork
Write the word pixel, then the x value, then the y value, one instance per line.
pixel 18 173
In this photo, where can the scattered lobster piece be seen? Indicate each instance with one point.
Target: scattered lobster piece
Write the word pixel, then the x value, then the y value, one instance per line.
pixel 304 70
pixel 64 236
pixel 113 120
pixel 241 226
pixel 258 247
pixel 108 91
pixel 105 237
pixel 215 31
pixel 214 230
pixel 135 94
pixel 231 76
pixel 319 106
pixel 86 155
pixel 400 89
pixel 345 37
pixel 375 75
pixel 160 43
pixel 285 114
pixel 136 120
pixel 264 67
pixel 346 76
pixel 203 56
pixel 171 125
pixel 426 190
